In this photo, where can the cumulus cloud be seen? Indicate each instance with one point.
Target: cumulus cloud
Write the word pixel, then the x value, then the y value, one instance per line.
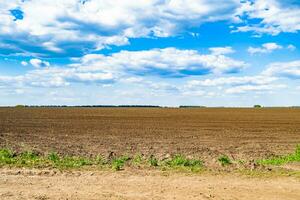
pixel 272 16
pixel 128 67
pixel 254 88
pixel 39 63
pixel 291 47
pixel 97 24
pixel 266 48
pixel 284 69
pixel 24 63
pixel 170 62
pixel 223 81
pixel 221 50
pixel 234 85
pixel 55 77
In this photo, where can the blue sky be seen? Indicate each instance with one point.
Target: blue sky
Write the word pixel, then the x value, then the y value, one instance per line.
pixel 159 52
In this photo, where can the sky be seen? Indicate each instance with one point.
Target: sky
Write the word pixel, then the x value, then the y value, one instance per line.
pixel 150 52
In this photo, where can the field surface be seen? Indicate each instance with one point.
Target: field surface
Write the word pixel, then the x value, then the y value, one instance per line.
pixel 244 135
pixel 207 133
pixel 30 184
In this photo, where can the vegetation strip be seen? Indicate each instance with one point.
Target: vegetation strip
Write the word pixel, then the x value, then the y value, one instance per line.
pixel 176 162
pixel 31 159
pixel 280 160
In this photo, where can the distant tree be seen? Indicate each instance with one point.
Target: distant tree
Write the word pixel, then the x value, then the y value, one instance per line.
pixel 257 106
pixel 20 106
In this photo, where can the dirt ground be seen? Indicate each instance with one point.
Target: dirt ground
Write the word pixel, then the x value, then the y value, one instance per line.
pixel 206 132
pixel 37 184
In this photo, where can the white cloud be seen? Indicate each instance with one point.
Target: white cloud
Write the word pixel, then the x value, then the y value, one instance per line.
pixel 254 88
pixel 244 80
pixel 126 67
pixel 55 77
pixel 221 50
pixel 291 47
pixel 276 17
pixel 132 80
pixel 285 69
pixel 233 85
pixel 162 62
pixel 39 63
pixel 24 63
pixel 99 23
pixel 266 48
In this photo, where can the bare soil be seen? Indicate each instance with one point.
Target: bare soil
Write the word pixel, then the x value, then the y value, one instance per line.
pixel 37 184
pixel 206 133
pixel 243 134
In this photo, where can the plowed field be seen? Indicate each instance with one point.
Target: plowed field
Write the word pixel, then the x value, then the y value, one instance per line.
pixel 206 132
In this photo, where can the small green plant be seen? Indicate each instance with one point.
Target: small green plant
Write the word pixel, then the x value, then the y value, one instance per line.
pixel 6 156
pixel 224 160
pixel 28 158
pixel 153 161
pixel 280 160
pixel 100 160
pixel 181 162
pixel 137 160
pixel 118 163
pixel 54 157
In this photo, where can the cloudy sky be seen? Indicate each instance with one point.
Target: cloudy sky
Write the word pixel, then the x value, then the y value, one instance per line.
pixel 159 52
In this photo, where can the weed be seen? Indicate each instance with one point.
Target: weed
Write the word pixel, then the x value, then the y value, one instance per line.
pixel 54 157
pixel 280 160
pixel 100 160
pixel 153 161
pixel 73 162
pixel 118 163
pixel 224 160
pixel 137 160
pixel 179 161
pixel 6 156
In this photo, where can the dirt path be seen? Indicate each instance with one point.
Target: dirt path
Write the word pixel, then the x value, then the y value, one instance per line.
pixel 36 184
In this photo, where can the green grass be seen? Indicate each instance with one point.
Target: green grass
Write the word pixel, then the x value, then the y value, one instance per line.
pixel 53 160
pixel 31 159
pixel 224 160
pixel 137 160
pixel 153 161
pixel 118 163
pixel 280 160
pixel 182 162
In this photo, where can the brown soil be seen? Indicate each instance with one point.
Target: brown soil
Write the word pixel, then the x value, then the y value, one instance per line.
pixel 206 133
pixel 36 184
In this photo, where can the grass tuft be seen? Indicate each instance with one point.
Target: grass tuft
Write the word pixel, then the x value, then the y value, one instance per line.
pixel 153 161
pixel 137 160
pixel 118 163
pixel 181 162
pixel 280 160
pixel 224 160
